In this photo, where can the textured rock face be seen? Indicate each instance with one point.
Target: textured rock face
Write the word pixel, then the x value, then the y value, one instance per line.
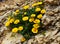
pixel 52 17
pixel 12 39
pixel 8 5
pixel 51 21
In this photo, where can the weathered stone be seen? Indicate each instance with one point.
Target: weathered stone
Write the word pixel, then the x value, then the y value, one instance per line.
pixel 49 1
pixel 50 13
pixel 9 39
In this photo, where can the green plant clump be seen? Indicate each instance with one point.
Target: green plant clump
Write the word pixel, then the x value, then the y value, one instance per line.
pixel 26 21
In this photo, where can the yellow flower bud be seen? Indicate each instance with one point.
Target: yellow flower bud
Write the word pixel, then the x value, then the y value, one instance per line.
pixel 20 28
pixel 25 13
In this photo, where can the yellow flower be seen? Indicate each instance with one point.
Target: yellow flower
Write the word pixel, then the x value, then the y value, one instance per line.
pixel 37 9
pixel 33 15
pixel 14 30
pixel 39 3
pixel 23 39
pixel 25 18
pixel 17 11
pixel 43 11
pixel 36 21
pixel 20 28
pixel 34 30
pixel 11 20
pixel 36 26
pixel 26 7
pixel 39 16
pixel 16 21
pixel 7 23
pixel 35 4
pixel 31 19
pixel 25 13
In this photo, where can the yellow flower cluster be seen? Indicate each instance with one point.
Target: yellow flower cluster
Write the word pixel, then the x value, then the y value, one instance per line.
pixel 20 20
pixel 14 30
pixel 12 20
pixel 35 28
pixel 31 19
pixel 16 12
pixel 9 21
pixel 20 28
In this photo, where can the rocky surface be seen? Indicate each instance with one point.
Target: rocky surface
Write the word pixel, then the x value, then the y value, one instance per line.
pixel 51 21
pixel 12 39
pixel 13 4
